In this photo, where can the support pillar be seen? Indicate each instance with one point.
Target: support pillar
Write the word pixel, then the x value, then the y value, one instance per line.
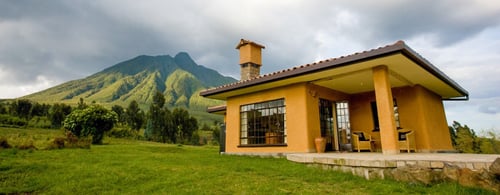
pixel 385 110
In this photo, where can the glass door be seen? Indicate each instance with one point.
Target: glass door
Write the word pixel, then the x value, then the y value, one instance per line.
pixel 343 126
pixel 335 125
pixel 326 124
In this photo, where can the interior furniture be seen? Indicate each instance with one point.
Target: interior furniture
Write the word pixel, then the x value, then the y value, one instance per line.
pixel 361 141
pixel 406 139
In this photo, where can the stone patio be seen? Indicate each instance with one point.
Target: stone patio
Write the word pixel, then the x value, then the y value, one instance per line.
pixel 466 169
pixel 429 160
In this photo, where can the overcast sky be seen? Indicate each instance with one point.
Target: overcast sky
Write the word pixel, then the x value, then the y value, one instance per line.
pixel 46 43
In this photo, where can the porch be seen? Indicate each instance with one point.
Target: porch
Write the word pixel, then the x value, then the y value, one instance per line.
pixel 466 169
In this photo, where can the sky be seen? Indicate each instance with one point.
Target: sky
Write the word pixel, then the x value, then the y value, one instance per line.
pixel 46 43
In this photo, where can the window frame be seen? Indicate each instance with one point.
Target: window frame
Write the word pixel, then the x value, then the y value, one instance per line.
pixel 258 122
pixel 376 125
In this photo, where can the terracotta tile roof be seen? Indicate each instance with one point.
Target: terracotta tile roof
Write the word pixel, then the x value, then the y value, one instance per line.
pixel 398 47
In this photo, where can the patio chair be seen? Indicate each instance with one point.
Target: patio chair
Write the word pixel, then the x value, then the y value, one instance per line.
pixel 406 139
pixel 360 141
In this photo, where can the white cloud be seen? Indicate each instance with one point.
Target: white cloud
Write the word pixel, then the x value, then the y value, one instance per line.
pixel 18 90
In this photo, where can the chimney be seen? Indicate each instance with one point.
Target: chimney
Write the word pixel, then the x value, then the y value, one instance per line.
pixel 250 59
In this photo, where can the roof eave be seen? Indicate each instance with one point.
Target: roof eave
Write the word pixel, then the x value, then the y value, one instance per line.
pixel 398 47
pixel 414 56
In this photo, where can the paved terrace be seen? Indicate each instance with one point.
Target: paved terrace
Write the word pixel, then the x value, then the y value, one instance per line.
pixel 466 169
pixel 379 160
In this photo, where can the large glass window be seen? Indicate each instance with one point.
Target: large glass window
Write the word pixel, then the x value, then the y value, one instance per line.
pixel 375 115
pixel 263 123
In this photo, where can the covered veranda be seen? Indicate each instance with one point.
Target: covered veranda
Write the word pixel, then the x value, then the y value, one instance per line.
pixel 394 101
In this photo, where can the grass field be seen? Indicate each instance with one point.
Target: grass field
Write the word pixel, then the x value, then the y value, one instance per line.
pixel 134 167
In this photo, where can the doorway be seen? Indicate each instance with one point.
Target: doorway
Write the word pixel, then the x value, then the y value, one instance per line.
pixel 343 125
pixel 334 124
pixel 326 123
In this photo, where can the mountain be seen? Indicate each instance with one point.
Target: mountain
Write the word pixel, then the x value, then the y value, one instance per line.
pixel 179 78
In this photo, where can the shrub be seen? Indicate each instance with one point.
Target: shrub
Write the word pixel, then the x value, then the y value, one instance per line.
pixel 75 142
pixel 11 121
pixel 4 143
pixel 195 139
pixel 57 143
pixel 91 121
pixel 40 122
pixel 122 133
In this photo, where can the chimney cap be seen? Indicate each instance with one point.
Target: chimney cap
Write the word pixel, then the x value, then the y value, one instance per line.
pixel 245 42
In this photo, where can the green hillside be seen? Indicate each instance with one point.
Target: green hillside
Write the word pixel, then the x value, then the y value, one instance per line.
pixel 179 78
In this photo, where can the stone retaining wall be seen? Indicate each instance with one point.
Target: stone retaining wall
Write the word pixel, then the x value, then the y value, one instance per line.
pixel 475 174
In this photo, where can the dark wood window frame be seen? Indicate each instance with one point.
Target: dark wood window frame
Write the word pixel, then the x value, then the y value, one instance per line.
pixel 263 124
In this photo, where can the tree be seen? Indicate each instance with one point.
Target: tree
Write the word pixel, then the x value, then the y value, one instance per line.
pixel 167 132
pixel 453 135
pixel 165 126
pixel 93 121
pixel 57 114
pixel 120 113
pixel 81 104
pixel 40 109
pixel 156 118
pixel 3 108
pixel 466 139
pixel 134 116
pixel 22 108
pixel 216 130
pixel 489 144
pixel 184 124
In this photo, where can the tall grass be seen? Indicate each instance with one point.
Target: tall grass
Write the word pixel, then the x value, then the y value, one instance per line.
pixel 135 167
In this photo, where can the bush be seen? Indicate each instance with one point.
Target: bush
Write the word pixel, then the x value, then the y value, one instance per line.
pixel 40 122
pixel 91 121
pixel 195 139
pixel 122 133
pixel 4 143
pixel 216 136
pixel 76 142
pixel 70 141
pixel 57 143
pixel 12 121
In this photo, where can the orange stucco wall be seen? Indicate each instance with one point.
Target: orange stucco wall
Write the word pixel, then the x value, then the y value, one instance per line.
pixel 302 117
pixel 297 119
pixel 419 110
pixel 424 112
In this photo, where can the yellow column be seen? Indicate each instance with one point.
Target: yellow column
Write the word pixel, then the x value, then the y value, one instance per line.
pixel 385 110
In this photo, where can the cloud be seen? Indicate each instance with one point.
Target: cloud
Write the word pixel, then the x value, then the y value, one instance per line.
pixel 489 109
pixel 449 21
pixel 45 43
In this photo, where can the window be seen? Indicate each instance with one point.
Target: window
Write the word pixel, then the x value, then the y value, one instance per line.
pixel 263 123
pixel 375 115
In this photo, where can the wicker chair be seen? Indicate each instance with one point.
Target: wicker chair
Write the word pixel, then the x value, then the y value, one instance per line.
pixel 406 139
pixel 360 141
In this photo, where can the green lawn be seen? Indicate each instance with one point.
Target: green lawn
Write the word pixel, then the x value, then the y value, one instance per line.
pixel 135 167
